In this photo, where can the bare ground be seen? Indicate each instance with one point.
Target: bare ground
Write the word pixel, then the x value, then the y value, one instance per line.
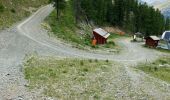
pixel 29 37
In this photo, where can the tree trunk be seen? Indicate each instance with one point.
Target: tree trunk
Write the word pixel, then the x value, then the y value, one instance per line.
pixel 57 10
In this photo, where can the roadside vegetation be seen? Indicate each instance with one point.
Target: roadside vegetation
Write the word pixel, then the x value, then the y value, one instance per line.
pixel 116 35
pixel 163 50
pixel 69 78
pixel 158 69
pixel 12 11
pixel 111 41
pixel 158 49
pixel 65 28
pixel 78 34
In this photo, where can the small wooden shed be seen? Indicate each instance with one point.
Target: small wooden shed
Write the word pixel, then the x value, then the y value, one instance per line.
pixel 152 41
pixel 100 35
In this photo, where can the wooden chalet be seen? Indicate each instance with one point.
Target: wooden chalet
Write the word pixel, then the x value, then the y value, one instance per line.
pixel 100 35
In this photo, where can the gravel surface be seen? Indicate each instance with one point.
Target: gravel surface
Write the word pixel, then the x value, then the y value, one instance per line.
pixel 29 37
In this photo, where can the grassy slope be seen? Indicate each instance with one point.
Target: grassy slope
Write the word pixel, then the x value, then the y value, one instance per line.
pixel 159 69
pixel 69 31
pixel 15 10
pixel 68 78
pixel 66 28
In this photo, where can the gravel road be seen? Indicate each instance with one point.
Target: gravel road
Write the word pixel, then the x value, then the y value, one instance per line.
pixel 28 37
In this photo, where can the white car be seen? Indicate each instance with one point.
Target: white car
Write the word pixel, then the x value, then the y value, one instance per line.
pixel 166 37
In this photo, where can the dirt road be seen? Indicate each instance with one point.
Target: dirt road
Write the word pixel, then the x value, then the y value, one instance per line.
pixel 28 37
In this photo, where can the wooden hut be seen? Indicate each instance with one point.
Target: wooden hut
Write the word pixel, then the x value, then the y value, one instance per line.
pixel 100 35
pixel 152 41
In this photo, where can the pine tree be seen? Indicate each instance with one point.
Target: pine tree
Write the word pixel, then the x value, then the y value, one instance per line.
pixel 128 14
pixel 167 24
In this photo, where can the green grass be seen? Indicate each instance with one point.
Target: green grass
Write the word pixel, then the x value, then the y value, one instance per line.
pixel 163 50
pixel 115 36
pixel 111 44
pixel 157 49
pixel 159 69
pixel 65 28
pixel 12 11
pixel 68 78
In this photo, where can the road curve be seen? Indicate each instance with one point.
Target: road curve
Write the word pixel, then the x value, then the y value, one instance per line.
pixel 29 37
pixel 31 29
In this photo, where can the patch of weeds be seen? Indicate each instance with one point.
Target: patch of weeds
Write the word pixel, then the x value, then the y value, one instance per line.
pixel 52 74
pixel 96 97
pixel 27 14
pixel 43 77
pixel 110 44
pixel 64 71
pixel 13 10
pixel 81 62
pixel 162 61
pixel 90 60
pixel 107 60
pixel 85 70
pixel 2 7
pixel 156 68
pixel 103 67
pixel 95 47
pixel 96 60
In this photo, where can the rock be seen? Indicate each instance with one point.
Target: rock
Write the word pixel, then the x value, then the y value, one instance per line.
pixel 7 74
pixel 48 98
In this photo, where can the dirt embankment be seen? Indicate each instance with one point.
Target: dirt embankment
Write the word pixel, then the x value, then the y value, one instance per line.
pixel 12 11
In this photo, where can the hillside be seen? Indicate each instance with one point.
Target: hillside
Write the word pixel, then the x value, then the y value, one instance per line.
pixel 78 34
pixel 12 11
pixel 163 5
pixel 36 66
